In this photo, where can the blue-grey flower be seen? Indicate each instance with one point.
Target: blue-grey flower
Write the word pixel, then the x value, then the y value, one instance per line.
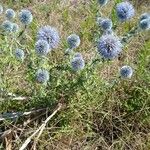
pixel 42 47
pixel 7 26
pixel 49 34
pixel 126 72
pixel 19 54
pixel 42 76
pixel 73 41
pixel 145 24
pixel 144 16
pixel 77 63
pixel 25 16
pixel 10 14
pixel 106 24
pixel 109 46
pixel 103 2
pixel 125 11
pixel 1 9
pixel 15 27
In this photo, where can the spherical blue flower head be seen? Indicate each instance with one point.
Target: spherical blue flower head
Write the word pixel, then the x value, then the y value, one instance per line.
pixel 77 63
pixel 15 27
pixel 25 16
pixel 103 2
pixel 73 41
pixel 7 26
pixel 19 54
pixel 1 9
pixel 109 46
pixel 125 11
pixel 10 14
pixel 145 24
pixel 106 24
pixel 49 34
pixel 42 47
pixel 42 76
pixel 144 16
pixel 126 72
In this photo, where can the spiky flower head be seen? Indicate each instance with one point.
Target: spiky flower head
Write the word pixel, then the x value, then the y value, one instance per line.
pixel 77 63
pixel 1 9
pixel 49 34
pixel 19 54
pixel 42 76
pixel 42 47
pixel 109 46
pixel 144 16
pixel 126 72
pixel 73 41
pixel 103 2
pixel 10 14
pixel 106 24
pixel 25 17
pixel 7 26
pixel 144 24
pixel 125 11
pixel 15 27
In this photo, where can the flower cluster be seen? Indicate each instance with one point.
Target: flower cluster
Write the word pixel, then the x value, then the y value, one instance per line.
pixel 10 14
pixel 77 63
pixel 42 47
pixel 19 54
pixel 42 76
pixel 7 26
pixel 73 41
pixel 126 72
pixel 144 22
pixel 125 11
pixel 109 46
pixel 49 34
pixel 25 17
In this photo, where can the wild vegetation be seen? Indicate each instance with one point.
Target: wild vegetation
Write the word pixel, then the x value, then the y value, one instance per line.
pixel 74 75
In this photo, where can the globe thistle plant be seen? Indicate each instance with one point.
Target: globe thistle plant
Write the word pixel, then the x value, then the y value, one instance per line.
pixel 7 26
pixel 42 76
pixel 15 27
pixel 144 24
pixel 1 9
pixel 103 2
pixel 126 72
pixel 10 14
pixel 25 17
pixel 125 11
pixel 42 47
pixel 49 34
pixel 109 46
pixel 77 63
pixel 73 41
pixel 106 24
pixel 19 54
